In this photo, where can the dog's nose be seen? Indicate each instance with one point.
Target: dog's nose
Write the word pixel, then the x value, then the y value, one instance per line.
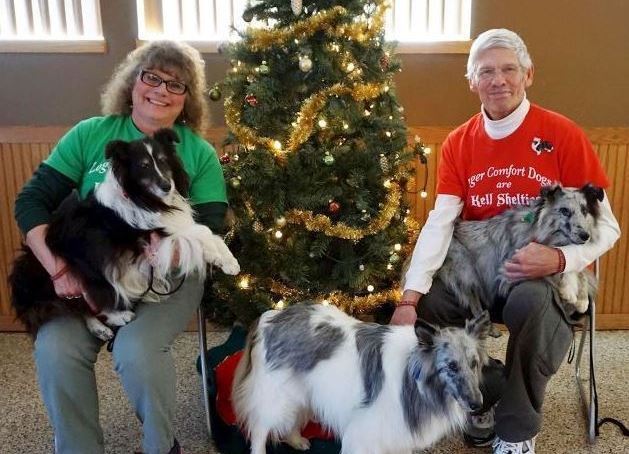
pixel 475 406
pixel 164 185
pixel 584 236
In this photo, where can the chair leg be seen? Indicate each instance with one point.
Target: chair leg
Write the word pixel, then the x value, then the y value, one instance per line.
pixel 204 366
pixel 590 403
pixel 593 410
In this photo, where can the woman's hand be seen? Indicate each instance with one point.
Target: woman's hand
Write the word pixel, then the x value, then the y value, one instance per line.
pixel 67 285
pixel 532 261
pixel 150 251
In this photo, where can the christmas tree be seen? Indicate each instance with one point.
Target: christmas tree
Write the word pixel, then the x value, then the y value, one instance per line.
pixel 317 161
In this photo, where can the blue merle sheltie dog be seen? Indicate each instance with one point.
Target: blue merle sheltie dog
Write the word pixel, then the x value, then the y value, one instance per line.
pixel 473 268
pixel 104 237
pixel 379 389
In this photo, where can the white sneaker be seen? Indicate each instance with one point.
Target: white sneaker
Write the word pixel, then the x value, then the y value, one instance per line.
pixel 506 447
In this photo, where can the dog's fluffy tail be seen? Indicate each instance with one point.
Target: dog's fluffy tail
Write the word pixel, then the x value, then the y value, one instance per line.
pixel 243 371
pixel 33 295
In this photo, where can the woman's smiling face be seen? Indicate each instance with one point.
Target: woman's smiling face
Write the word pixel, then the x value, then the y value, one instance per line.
pixel 156 105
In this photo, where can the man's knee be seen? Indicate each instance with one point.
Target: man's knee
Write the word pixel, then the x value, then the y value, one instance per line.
pixel 527 300
pixel 439 307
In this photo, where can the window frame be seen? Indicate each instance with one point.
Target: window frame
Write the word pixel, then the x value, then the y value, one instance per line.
pixel 213 45
pixel 47 43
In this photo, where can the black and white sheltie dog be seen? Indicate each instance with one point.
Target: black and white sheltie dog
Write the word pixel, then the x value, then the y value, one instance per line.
pixel 380 389
pixel 103 240
pixel 473 268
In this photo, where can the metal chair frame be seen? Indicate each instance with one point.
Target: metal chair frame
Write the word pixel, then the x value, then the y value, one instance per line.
pixel 204 366
pixel 590 402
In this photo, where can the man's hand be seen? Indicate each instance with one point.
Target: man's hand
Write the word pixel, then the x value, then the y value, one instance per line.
pixel 404 315
pixel 532 261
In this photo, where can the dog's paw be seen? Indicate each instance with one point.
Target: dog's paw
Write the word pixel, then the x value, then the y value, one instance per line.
pixel 582 305
pixel 99 329
pixel 494 332
pixel 296 441
pixel 230 265
pixel 119 318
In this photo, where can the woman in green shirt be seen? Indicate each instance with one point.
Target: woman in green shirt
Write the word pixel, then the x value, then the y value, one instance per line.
pixel 158 85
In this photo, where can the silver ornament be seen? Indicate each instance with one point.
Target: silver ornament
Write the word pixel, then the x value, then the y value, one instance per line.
pixel 305 64
pixel 296 6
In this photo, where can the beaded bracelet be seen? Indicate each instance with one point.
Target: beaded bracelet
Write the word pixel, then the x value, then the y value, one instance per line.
pixel 562 261
pixel 59 273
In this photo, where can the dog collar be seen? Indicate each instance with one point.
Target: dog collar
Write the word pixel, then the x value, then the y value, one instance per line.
pixel 529 217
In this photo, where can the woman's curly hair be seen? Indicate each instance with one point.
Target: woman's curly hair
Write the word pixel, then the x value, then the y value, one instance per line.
pixel 173 57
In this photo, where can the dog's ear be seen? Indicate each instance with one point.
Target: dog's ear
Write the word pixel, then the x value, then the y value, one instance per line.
pixel 167 137
pixel 479 326
pixel 117 148
pixel 425 333
pixel 593 195
pixel 549 193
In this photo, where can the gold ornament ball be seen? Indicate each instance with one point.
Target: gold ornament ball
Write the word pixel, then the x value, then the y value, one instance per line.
pixel 235 182
pixel 247 16
pixel 215 94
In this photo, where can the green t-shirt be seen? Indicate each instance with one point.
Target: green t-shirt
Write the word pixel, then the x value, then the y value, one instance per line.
pixel 80 155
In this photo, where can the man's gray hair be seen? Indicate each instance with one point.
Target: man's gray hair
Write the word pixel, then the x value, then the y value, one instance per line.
pixel 497 37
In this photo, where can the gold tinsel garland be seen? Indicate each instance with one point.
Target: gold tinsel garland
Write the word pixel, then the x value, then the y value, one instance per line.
pixel 349 303
pixel 322 223
pixel 261 39
pixel 305 118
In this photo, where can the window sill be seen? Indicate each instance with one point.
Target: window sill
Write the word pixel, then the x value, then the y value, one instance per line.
pixel 436 47
pixel 98 46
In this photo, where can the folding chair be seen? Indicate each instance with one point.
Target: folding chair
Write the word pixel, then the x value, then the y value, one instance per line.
pixel 590 404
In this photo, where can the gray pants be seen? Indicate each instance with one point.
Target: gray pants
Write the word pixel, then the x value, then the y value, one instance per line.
pixel 65 353
pixel 539 338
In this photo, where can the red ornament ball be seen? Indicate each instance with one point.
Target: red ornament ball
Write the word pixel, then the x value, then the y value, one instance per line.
pixel 225 159
pixel 251 100
pixel 334 207
pixel 384 62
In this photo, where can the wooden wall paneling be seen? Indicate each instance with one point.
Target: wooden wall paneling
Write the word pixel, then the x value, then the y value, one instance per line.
pixel 23 148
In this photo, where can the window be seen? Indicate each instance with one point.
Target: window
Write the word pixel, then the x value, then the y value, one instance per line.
pixel 424 25
pixel 203 23
pixel 439 26
pixel 51 26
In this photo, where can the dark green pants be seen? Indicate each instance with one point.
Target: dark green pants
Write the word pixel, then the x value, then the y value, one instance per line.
pixel 539 338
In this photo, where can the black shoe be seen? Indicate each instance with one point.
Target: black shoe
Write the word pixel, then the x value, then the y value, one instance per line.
pixel 176 449
pixel 479 431
pixel 478 442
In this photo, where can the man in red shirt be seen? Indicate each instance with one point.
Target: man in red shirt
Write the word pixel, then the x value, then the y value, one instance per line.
pixel 499 158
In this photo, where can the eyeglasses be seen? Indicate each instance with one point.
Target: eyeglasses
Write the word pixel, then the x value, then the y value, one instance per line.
pixel 153 80
pixel 508 72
